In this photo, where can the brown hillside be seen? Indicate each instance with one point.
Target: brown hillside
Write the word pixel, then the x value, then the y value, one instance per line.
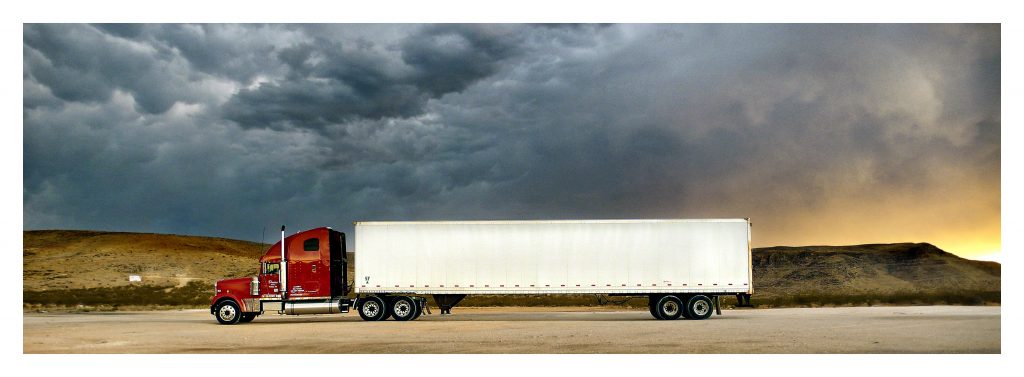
pixel 869 269
pixel 62 259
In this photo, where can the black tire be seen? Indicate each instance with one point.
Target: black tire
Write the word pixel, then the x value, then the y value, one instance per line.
pixel 387 307
pixel 699 307
pixel 227 312
pixel 248 317
pixel 686 313
pixel 419 309
pixel 669 307
pixel 403 308
pixel 372 308
pixel 651 301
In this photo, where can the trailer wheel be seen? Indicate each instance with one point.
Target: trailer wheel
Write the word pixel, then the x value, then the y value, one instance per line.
pixel 248 317
pixel 652 302
pixel 686 313
pixel 699 307
pixel 227 312
pixel 403 308
pixel 669 307
pixel 372 309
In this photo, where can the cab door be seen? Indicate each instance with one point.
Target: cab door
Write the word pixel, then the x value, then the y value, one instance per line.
pixel 270 279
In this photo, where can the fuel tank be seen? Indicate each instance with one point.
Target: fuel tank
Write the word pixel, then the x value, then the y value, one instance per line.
pixel 332 306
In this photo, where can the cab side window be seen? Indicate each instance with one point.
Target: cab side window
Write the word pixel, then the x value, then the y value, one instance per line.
pixel 271 268
pixel 312 244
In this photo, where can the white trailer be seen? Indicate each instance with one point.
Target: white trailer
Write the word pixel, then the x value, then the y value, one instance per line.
pixel 681 265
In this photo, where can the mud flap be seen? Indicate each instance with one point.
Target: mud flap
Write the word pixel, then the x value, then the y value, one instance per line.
pixel 422 302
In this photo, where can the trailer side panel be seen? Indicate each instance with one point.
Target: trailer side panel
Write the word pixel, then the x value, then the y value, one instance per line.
pixel 536 257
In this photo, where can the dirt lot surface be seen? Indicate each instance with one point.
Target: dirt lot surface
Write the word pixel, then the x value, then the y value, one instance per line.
pixel 922 329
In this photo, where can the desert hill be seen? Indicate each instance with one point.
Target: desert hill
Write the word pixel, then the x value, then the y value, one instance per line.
pixel 97 265
pixel 68 259
pixel 876 269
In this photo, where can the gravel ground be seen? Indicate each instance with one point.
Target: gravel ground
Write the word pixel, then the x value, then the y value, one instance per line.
pixel 918 329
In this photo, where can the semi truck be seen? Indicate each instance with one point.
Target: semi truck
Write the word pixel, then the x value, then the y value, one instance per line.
pixel 682 267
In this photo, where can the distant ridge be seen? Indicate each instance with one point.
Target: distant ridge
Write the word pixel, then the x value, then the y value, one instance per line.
pixel 869 269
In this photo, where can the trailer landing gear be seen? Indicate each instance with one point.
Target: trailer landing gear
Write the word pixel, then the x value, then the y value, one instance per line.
pixel 743 300
pixel 447 302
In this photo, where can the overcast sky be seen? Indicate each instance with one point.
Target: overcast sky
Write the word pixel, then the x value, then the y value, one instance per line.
pixel 821 134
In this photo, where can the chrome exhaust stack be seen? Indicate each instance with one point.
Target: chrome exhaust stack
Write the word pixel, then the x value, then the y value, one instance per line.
pixel 284 268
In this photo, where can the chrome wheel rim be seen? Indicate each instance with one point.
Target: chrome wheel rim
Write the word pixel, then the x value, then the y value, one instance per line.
pixel 402 309
pixel 371 309
pixel 227 313
pixel 701 308
pixel 670 308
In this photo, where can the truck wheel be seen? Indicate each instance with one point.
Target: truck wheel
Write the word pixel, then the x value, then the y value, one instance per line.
pixel 419 309
pixel 248 317
pixel 372 309
pixel 403 308
pixel 227 312
pixel 652 302
pixel 699 307
pixel 686 313
pixel 387 307
pixel 669 307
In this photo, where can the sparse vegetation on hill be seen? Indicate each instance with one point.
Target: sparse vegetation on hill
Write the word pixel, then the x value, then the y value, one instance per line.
pixel 70 259
pixel 71 268
pixel 192 294
pixel 903 273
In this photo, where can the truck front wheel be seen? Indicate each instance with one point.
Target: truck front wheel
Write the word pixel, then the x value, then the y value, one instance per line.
pixel 699 307
pixel 372 309
pixel 669 307
pixel 227 312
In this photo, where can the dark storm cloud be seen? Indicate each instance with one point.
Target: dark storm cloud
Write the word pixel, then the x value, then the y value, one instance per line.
pixel 331 82
pixel 226 129
pixel 82 64
pixel 448 58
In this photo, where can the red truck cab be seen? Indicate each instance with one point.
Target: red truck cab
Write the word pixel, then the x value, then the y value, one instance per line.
pixel 313 280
